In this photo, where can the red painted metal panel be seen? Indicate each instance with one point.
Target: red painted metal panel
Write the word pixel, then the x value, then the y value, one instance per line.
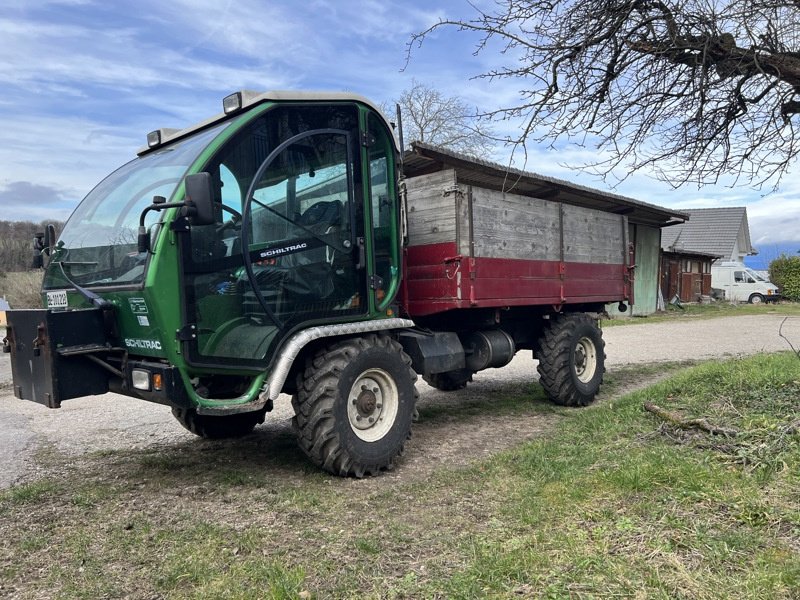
pixel 438 279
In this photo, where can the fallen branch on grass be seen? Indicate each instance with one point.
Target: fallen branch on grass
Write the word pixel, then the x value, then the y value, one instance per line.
pixel 700 424
pixel 788 341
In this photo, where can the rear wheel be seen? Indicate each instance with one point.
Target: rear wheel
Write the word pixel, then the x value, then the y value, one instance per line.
pixel 354 405
pixel 756 299
pixel 449 381
pixel 215 427
pixel 571 359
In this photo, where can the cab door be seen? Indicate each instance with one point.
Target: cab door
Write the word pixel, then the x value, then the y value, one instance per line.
pixel 303 249
pixel 288 249
pixel 383 213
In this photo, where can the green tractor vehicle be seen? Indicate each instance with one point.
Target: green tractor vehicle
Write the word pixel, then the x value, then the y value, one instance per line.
pixel 266 251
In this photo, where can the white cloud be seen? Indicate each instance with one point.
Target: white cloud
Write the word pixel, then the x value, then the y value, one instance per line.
pixel 84 82
pixel 69 154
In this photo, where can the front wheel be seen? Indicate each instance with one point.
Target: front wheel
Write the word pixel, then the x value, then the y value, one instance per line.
pixel 354 405
pixel 756 299
pixel 571 359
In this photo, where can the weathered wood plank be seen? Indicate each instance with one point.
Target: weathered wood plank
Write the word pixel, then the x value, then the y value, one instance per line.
pixel 503 225
pixel 431 208
pixel 593 236
pixel 512 226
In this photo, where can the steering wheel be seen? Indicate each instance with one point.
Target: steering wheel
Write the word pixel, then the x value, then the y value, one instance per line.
pixel 234 222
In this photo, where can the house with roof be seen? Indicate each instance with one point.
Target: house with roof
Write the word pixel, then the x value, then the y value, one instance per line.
pixel 720 232
pixel 690 248
pixel 644 220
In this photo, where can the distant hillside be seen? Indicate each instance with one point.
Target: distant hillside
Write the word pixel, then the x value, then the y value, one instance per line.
pixel 16 243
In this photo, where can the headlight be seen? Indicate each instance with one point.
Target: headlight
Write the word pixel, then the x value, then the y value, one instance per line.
pixel 140 379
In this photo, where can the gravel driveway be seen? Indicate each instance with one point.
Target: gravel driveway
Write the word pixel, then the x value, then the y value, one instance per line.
pixel 113 422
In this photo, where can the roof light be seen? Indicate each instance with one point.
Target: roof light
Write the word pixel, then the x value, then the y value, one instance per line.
pixel 160 136
pixel 232 103
pixel 154 138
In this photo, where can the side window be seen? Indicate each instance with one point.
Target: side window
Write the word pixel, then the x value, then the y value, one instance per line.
pixel 384 211
pixel 299 229
pixel 738 276
pixel 230 192
pixel 303 193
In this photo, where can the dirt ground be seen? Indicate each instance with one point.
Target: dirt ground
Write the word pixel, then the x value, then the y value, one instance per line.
pixel 29 431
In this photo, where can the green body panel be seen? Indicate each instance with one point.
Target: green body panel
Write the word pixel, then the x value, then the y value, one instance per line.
pixel 149 315
pixel 645 290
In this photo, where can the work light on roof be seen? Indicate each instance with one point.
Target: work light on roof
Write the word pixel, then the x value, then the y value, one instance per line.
pixel 154 138
pixel 232 103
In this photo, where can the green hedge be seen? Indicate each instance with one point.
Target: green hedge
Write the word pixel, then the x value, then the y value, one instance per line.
pixel 784 272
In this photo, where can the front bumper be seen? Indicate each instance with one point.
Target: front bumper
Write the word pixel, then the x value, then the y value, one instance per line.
pixel 59 355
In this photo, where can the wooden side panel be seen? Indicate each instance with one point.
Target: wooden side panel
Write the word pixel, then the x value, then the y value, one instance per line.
pixel 511 226
pixel 593 236
pixel 432 201
pixel 471 248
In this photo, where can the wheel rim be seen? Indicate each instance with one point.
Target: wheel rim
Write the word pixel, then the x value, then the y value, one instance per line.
pixel 372 404
pixel 756 299
pixel 585 359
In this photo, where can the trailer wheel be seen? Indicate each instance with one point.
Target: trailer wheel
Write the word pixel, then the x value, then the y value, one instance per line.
pixel 214 427
pixel 571 359
pixel 449 381
pixel 354 405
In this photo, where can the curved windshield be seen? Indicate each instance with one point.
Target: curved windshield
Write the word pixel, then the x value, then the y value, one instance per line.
pixel 98 244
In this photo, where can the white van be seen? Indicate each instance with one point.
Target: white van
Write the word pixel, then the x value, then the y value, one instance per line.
pixel 742 284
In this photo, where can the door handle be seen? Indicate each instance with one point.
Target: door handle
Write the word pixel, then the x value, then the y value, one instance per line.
pixel 362 253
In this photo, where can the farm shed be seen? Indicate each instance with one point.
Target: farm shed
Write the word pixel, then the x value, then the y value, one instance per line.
pixel 686 275
pixel 644 220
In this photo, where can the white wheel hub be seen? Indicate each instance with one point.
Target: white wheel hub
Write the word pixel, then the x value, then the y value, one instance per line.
pixel 372 404
pixel 585 359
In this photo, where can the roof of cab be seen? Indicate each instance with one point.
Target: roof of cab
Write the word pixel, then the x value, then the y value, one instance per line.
pixel 251 98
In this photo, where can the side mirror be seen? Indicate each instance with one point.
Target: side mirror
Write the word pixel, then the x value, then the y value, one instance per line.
pixel 200 205
pixel 49 239
pixel 38 247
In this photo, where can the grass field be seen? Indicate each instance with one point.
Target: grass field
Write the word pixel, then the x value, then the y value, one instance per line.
pixel 708 311
pixel 22 289
pixel 610 502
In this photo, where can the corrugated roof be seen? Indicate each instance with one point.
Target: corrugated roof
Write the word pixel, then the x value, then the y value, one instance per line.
pixel 710 231
pixel 425 158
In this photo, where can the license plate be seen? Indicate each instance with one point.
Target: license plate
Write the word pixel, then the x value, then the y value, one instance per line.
pixel 57 299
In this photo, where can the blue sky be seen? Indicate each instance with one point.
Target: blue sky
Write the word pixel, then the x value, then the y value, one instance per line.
pixel 84 81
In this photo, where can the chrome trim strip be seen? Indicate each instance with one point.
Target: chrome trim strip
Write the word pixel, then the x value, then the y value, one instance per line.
pixel 300 339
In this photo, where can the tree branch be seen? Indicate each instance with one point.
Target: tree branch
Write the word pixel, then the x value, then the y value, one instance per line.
pixel 700 424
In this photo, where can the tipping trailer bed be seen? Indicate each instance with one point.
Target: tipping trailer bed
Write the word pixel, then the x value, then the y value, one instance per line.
pixel 471 247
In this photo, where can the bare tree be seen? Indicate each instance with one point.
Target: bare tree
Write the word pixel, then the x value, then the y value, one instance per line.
pixel 430 116
pixel 688 89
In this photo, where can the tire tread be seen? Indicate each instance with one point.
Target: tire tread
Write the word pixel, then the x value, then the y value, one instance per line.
pixel 555 370
pixel 315 402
